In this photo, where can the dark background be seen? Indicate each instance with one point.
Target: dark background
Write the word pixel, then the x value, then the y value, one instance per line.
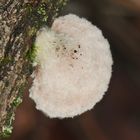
pixel 117 115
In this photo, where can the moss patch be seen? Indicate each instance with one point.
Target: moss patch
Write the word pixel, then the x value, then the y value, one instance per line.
pixel 6 131
pixel 31 54
pixel 7 128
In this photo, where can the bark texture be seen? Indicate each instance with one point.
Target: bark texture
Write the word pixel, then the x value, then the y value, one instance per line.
pixel 19 22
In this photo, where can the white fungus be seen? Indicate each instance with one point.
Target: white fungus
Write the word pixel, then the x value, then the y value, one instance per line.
pixel 74 67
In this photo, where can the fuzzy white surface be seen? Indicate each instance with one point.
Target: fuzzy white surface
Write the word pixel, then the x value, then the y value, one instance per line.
pixel 70 82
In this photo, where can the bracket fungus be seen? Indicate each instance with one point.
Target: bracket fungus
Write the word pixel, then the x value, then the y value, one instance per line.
pixel 74 66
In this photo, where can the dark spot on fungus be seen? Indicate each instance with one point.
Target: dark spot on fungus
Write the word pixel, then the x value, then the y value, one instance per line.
pixel 57 49
pixel 78 46
pixel 71 65
pixel 80 54
pixel 64 47
pixel 75 51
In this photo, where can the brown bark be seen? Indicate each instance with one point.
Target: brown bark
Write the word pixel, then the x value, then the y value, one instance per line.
pixel 19 21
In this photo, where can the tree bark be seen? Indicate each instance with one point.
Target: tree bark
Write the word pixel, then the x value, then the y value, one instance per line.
pixel 19 22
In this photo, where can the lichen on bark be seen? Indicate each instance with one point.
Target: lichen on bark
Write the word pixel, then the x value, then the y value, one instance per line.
pixel 19 22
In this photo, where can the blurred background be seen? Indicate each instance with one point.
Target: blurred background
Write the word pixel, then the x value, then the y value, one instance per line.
pixel 117 115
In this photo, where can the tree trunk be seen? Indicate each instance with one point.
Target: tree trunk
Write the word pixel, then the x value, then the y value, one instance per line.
pixel 19 22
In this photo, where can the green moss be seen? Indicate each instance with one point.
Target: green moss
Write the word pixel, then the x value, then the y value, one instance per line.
pixel 31 54
pixel 17 101
pixel 41 10
pixel 45 12
pixel 7 128
pixel 22 89
pixel 6 131
pixel 32 31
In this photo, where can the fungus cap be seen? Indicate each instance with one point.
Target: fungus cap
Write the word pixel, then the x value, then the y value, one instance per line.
pixel 74 67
